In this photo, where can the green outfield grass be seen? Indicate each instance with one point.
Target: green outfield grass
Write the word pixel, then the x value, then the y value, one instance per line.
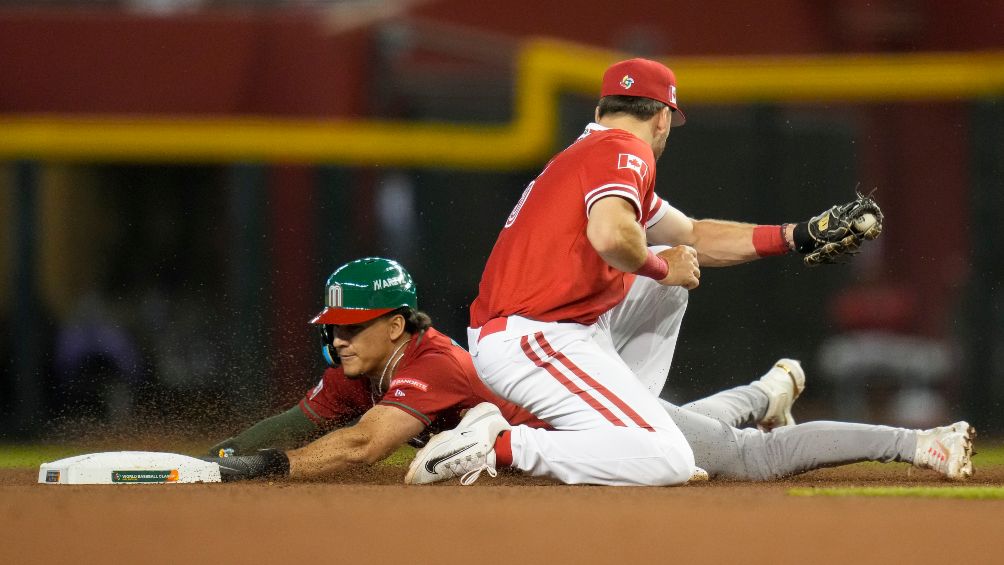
pixel 19 456
pixel 991 455
pixel 401 458
pixel 960 492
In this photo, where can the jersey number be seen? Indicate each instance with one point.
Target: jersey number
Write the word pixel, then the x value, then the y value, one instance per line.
pixel 519 205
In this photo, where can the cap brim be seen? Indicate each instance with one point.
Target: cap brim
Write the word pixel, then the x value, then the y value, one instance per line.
pixel 348 316
pixel 678 118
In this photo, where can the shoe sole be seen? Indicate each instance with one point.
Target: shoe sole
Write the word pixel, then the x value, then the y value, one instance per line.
pixel 969 436
pixel 699 476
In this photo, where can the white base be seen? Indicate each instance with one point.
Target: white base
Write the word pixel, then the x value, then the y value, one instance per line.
pixel 128 467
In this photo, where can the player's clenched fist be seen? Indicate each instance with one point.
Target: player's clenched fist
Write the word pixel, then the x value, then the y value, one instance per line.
pixel 684 270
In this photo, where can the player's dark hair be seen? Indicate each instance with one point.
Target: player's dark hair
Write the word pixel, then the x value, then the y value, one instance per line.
pixel 414 320
pixel 636 106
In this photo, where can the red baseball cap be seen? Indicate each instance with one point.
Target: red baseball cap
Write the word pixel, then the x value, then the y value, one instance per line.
pixel 646 79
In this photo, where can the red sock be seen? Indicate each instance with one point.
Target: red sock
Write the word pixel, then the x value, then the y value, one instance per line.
pixel 503 450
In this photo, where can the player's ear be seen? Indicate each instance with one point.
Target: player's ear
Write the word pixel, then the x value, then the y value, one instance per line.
pixel 596 114
pixel 661 122
pixel 396 327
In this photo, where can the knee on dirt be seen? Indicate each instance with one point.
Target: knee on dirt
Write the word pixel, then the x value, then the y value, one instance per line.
pixel 676 464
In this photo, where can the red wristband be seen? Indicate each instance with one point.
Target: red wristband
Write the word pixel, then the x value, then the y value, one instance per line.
pixel 769 240
pixel 654 267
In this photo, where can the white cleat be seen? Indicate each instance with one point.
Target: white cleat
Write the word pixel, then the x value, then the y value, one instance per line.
pixel 463 451
pixel 948 450
pixel 699 476
pixel 782 384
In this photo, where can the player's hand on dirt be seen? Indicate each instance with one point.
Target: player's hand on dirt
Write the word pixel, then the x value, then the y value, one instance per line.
pixel 684 269
pixel 265 463
pixel 839 231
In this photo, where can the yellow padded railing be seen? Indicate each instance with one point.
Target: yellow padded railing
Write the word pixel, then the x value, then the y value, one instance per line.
pixel 544 69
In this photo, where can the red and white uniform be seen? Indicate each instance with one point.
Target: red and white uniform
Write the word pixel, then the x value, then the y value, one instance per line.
pixel 645 327
pixel 433 382
pixel 534 338
pixel 542 266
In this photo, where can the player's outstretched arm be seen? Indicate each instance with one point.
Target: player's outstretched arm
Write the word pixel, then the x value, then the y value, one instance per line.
pixel 378 434
pixel 288 429
pixel 825 238
pixel 719 243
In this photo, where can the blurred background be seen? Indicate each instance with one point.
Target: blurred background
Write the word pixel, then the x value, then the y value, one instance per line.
pixel 179 177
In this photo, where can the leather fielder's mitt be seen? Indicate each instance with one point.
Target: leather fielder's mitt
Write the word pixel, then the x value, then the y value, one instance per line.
pixel 839 231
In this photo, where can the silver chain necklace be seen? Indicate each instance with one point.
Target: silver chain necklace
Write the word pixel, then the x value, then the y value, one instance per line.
pixel 383 374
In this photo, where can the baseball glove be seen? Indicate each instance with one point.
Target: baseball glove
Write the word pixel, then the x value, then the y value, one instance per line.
pixel 839 231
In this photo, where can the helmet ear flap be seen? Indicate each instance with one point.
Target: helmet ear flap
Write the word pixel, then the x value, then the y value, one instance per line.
pixel 327 332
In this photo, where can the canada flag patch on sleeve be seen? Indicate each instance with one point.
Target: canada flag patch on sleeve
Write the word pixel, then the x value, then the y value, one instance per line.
pixel 414 383
pixel 633 162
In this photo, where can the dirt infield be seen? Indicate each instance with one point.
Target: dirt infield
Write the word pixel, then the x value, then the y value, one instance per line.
pixel 373 518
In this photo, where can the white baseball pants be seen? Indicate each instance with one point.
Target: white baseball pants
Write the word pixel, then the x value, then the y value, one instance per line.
pixel 644 329
pixel 609 429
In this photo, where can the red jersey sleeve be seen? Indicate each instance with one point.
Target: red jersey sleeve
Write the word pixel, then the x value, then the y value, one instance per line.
pixel 336 399
pixel 657 211
pixel 623 166
pixel 431 384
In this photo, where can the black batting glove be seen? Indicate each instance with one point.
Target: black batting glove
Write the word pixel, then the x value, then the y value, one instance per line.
pixel 265 463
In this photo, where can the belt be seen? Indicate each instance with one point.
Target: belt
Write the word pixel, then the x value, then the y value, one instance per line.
pixel 493 326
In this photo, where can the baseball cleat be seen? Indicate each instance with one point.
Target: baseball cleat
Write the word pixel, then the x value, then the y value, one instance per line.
pixel 948 450
pixel 464 451
pixel 782 384
pixel 699 476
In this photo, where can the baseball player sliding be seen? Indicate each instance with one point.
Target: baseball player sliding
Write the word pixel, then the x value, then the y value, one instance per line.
pixel 567 255
pixel 394 377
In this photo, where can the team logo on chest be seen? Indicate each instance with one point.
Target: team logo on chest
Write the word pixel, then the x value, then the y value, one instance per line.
pixel 633 162
pixel 334 298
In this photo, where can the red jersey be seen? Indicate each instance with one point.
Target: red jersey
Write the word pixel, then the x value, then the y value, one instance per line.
pixel 434 380
pixel 543 266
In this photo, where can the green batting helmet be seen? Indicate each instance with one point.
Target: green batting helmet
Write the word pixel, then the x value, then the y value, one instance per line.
pixel 363 289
